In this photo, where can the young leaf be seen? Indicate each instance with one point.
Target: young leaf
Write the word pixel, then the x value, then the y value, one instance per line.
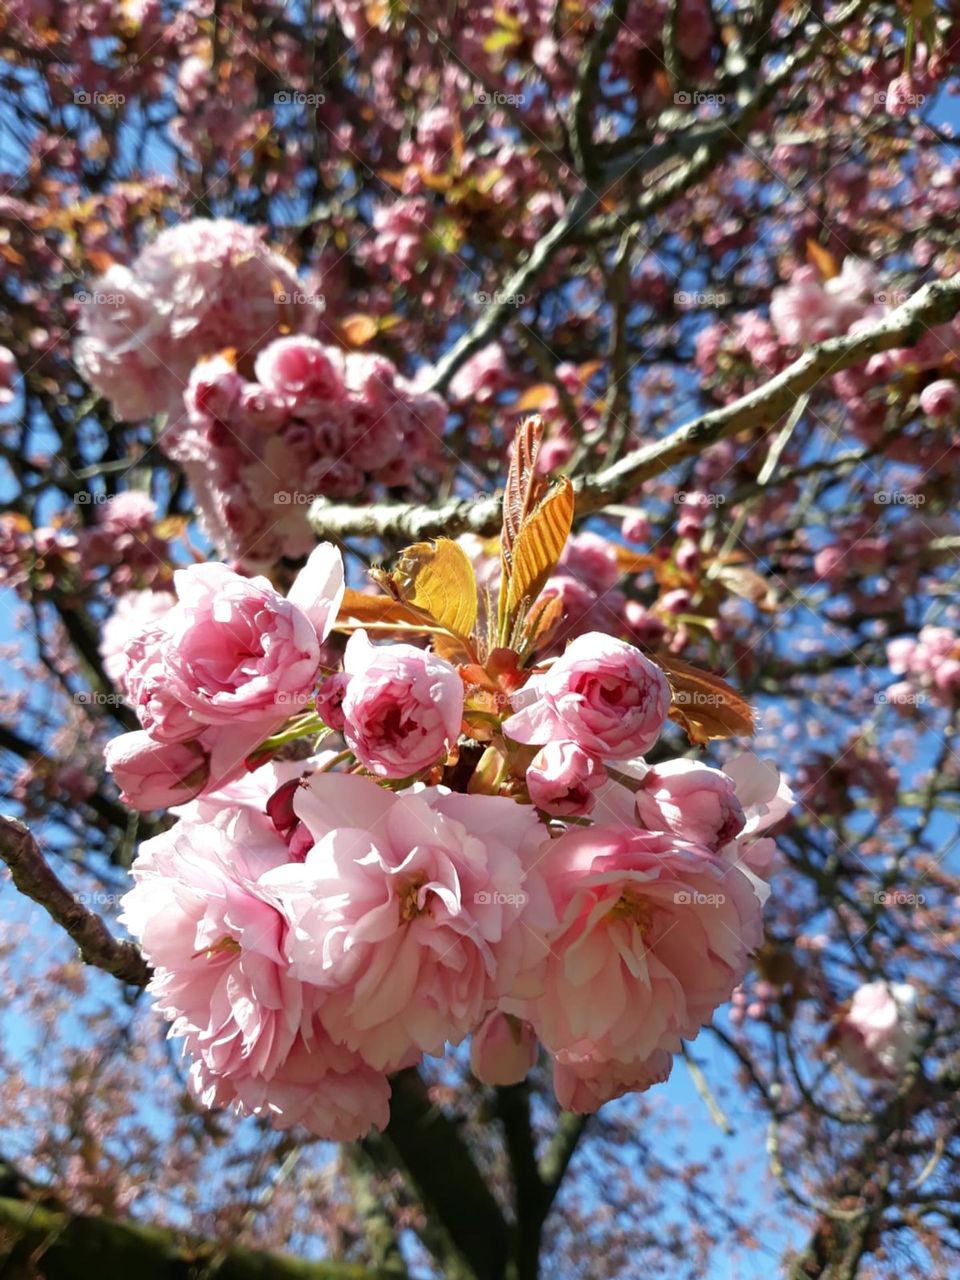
pixel 635 561
pixel 389 614
pixel 524 486
pixel 382 610
pixel 540 544
pixel 822 259
pixel 521 495
pixel 539 626
pixel 438 578
pixel 358 329
pixel 704 705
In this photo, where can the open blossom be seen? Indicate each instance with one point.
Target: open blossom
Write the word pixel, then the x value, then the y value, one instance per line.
pixel 765 797
pixel 215 941
pixel 932 663
pixel 410 921
pixel 879 1032
pixel 215 938
pixel 602 694
pixel 234 650
pixel 583 1083
pixel 315 421
pixel 320 1085
pixel 503 1049
pixel 237 650
pixel 402 706
pixel 653 935
pixel 135 610
pixel 218 673
pixel 562 779
pixel 692 800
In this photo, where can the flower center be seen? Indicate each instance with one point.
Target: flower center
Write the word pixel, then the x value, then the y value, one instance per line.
pixel 633 907
pixel 224 946
pixel 407 895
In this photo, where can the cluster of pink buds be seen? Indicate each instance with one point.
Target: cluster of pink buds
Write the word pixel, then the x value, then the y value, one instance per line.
pixel 929 665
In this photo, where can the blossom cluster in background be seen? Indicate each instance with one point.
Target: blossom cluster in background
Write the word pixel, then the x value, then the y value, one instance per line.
pixel 214 330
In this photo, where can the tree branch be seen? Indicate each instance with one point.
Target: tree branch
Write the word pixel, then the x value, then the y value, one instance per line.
pixel 34 878
pixel 445 1177
pixel 531 1196
pixel 935 303
pixel 59 1246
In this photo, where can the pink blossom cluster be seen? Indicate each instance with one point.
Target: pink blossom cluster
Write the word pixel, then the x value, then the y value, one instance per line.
pixel 879 1031
pixel 123 539
pixel 929 664
pixel 201 286
pixel 810 309
pixel 312 422
pixel 313 930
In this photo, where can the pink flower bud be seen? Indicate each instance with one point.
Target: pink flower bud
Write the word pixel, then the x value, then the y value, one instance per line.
pixel 675 601
pixel 402 708
pixel 602 694
pixel 502 1050
pixel 941 399
pixel 690 525
pixel 946 676
pixel 562 778
pixel 900 96
pixel 687 555
pixel 301 369
pixel 554 453
pixel 155 775
pixel 645 627
pixel 693 801
pixel 635 527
